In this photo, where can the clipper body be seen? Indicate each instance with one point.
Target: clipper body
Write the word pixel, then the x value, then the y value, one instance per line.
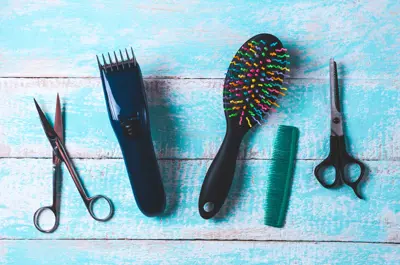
pixel 127 109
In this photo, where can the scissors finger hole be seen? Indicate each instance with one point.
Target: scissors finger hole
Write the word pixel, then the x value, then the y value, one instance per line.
pixel 328 175
pixel 352 172
pixel 45 220
pixel 101 208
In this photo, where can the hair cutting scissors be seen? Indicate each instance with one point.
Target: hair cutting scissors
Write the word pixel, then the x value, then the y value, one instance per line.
pixel 56 139
pixel 338 157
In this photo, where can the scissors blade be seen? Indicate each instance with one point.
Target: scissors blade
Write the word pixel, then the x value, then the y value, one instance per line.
pixel 58 128
pixel 335 103
pixel 336 115
pixel 48 129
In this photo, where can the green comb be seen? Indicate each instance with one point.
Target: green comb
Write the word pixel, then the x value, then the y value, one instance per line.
pixel 281 175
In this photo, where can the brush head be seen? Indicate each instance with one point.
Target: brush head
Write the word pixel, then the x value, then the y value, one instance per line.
pixel 254 81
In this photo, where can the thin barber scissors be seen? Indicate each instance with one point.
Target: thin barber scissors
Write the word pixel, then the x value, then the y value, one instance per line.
pixel 338 157
pixel 56 139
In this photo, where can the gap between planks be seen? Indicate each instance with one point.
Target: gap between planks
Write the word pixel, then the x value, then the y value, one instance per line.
pixel 187 78
pixel 190 159
pixel 205 240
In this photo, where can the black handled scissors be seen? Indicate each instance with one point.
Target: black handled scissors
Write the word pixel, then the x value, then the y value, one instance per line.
pixel 56 139
pixel 338 157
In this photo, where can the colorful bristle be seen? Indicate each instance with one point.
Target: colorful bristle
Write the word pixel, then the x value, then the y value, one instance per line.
pixel 254 81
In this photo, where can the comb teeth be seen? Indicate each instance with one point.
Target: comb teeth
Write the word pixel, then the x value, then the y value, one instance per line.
pixel 117 65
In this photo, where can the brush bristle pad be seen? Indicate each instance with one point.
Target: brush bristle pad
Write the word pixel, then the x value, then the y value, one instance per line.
pixel 255 80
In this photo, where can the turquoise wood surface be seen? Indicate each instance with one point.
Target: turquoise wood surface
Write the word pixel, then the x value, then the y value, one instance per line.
pixel 180 109
pixel 197 253
pixel 195 38
pixel 184 48
pixel 315 213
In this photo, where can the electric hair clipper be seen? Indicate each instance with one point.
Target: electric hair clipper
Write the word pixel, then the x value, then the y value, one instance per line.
pixel 127 109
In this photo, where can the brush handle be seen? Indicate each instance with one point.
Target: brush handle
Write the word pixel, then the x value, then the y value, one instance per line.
pixel 219 176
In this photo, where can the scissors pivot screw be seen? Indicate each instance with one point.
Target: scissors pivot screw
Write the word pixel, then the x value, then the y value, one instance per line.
pixel 336 120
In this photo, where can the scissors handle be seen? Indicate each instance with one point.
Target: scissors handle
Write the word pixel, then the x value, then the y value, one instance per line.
pixel 55 207
pixel 353 183
pixel 340 160
pixel 319 173
pixel 90 202
pixel 38 213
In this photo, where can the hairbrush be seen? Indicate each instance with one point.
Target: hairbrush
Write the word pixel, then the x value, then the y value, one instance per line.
pixel 253 83
pixel 127 110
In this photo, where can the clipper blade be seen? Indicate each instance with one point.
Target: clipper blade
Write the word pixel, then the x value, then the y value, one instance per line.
pixel 129 61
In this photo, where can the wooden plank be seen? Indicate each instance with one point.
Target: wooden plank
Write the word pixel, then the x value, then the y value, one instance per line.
pixel 315 213
pixel 188 122
pixel 192 39
pixel 195 252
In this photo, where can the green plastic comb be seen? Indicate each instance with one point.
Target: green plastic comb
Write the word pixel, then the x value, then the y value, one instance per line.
pixel 281 175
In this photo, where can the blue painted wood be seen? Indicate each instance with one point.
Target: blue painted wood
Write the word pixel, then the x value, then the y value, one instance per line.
pixel 195 253
pixel 196 39
pixel 315 213
pixel 187 118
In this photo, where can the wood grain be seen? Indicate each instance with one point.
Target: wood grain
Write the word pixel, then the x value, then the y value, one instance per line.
pixel 184 48
pixel 193 39
pixel 194 253
pixel 315 213
pixel 188 122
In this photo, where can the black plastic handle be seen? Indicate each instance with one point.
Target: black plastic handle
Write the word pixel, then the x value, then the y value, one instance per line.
pixel 219 176
pixel 319 173
pixel 339 159
pixel 144 174
pixel 354 184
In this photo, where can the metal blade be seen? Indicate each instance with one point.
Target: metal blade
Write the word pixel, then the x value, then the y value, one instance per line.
pixel 58 123
pixel 336 115
pixel 58 128
pixel 335 103
pixel 49 131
